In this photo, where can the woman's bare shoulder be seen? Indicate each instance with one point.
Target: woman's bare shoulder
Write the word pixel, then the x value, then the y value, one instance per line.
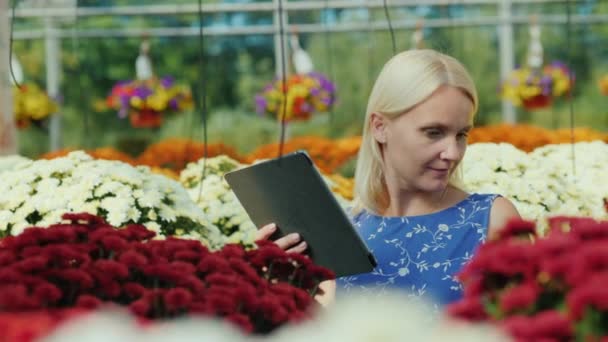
pixel 502 212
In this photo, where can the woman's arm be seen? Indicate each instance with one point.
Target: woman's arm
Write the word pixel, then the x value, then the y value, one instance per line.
pixel 502 212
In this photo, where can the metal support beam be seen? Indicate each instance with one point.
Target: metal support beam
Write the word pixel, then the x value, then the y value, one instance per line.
pixel 309 28
pixel 243 7
pixel 506 56
pixel 53 72
pixel 8 132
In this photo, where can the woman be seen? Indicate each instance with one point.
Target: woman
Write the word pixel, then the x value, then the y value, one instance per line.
pixel 410 208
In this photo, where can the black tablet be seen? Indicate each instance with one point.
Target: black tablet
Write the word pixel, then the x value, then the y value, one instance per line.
pixel 290 192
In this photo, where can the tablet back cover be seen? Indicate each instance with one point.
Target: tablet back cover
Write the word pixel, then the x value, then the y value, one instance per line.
pixel 290 192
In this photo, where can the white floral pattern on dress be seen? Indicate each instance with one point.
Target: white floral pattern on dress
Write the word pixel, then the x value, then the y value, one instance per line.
pixel 421 254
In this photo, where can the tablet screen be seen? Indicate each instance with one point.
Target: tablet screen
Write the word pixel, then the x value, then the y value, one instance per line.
pixel 291 192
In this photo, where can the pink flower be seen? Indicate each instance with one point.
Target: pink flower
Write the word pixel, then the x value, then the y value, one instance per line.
pixel 192 283
pixel 47 293
pixel 519 327
pixel 520 297
pixel 222 279
pixel 112 269
pixel 32 264
pixel 518 228
pixel 245 270
pixel 221 301
pixel 213 263
pixel 177 298
pixel 553 325
pixel 113 243
pixel 591 294
pixel 15 297
pixel 232 251
pixel 140 307
pixel 133 290
pixel 75 277
pixel 183 267
pixel 7 258
pixel 468 308
pixel 136 232
pixel 188 256
pixel 132 259
pixel 88 302
pixel 242 321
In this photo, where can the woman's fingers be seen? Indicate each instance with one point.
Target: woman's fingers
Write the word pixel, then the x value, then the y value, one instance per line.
pixel 265 232
pixel 299 248
pixel 291 243
pixel 288 241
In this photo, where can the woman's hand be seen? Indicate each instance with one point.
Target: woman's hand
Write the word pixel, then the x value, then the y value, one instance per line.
pixel 291 243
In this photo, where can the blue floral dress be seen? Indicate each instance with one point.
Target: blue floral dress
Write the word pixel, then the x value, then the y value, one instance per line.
pixel 421 254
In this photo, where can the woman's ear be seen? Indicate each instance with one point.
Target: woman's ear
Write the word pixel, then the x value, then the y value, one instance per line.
pixel 378 125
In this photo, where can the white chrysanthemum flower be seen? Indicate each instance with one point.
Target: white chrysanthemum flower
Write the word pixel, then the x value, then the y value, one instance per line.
pixel 5 217
pixel 11 162
pixel 544 182
pixel 359 317
pixel 118 326
pixel 40 192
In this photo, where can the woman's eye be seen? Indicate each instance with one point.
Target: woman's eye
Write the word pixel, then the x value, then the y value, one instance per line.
pixel 463 136
pixel 433 133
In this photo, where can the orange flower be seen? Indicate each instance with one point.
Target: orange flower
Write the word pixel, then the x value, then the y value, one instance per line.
pixel 176 153
pixel 106 153
pixel 524 137
pixel 528 137
pixel 57 153
pixel 165 172
pixel 342 185
pixel 327 154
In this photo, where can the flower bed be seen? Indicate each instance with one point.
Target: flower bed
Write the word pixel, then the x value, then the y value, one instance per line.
pixel 40 192
pixel 216 198
pixel 542 183
pixel 550 288
pixel 86 263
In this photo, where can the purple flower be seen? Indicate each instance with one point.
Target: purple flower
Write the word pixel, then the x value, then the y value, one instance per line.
pixel 305 107
pixel 143 92
pixel 173 104
pixel 260 104
pixel 167 82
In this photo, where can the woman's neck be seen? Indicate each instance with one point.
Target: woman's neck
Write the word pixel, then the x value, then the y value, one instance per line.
pixel 407 203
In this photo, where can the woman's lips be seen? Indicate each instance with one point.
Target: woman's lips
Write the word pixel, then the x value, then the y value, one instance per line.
pixel 439 171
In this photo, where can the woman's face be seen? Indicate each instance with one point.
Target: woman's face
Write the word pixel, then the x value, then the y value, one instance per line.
pixel 421 148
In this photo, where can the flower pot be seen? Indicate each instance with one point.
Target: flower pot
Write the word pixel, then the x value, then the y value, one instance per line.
pixel 537 102
pixel 146 118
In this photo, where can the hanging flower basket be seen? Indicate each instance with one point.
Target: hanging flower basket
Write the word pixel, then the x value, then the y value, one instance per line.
pixel 536 89
pixel 146 102
pixel 306 94
pixel 31 105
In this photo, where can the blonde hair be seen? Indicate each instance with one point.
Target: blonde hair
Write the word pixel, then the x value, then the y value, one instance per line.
pixel 406 80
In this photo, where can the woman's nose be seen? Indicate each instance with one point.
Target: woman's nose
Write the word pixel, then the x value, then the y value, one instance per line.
pixel 451 151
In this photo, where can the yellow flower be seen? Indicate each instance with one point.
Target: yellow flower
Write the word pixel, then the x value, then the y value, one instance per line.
pixel 136 102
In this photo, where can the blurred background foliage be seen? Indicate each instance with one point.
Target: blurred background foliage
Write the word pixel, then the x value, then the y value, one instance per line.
pixel 237 67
